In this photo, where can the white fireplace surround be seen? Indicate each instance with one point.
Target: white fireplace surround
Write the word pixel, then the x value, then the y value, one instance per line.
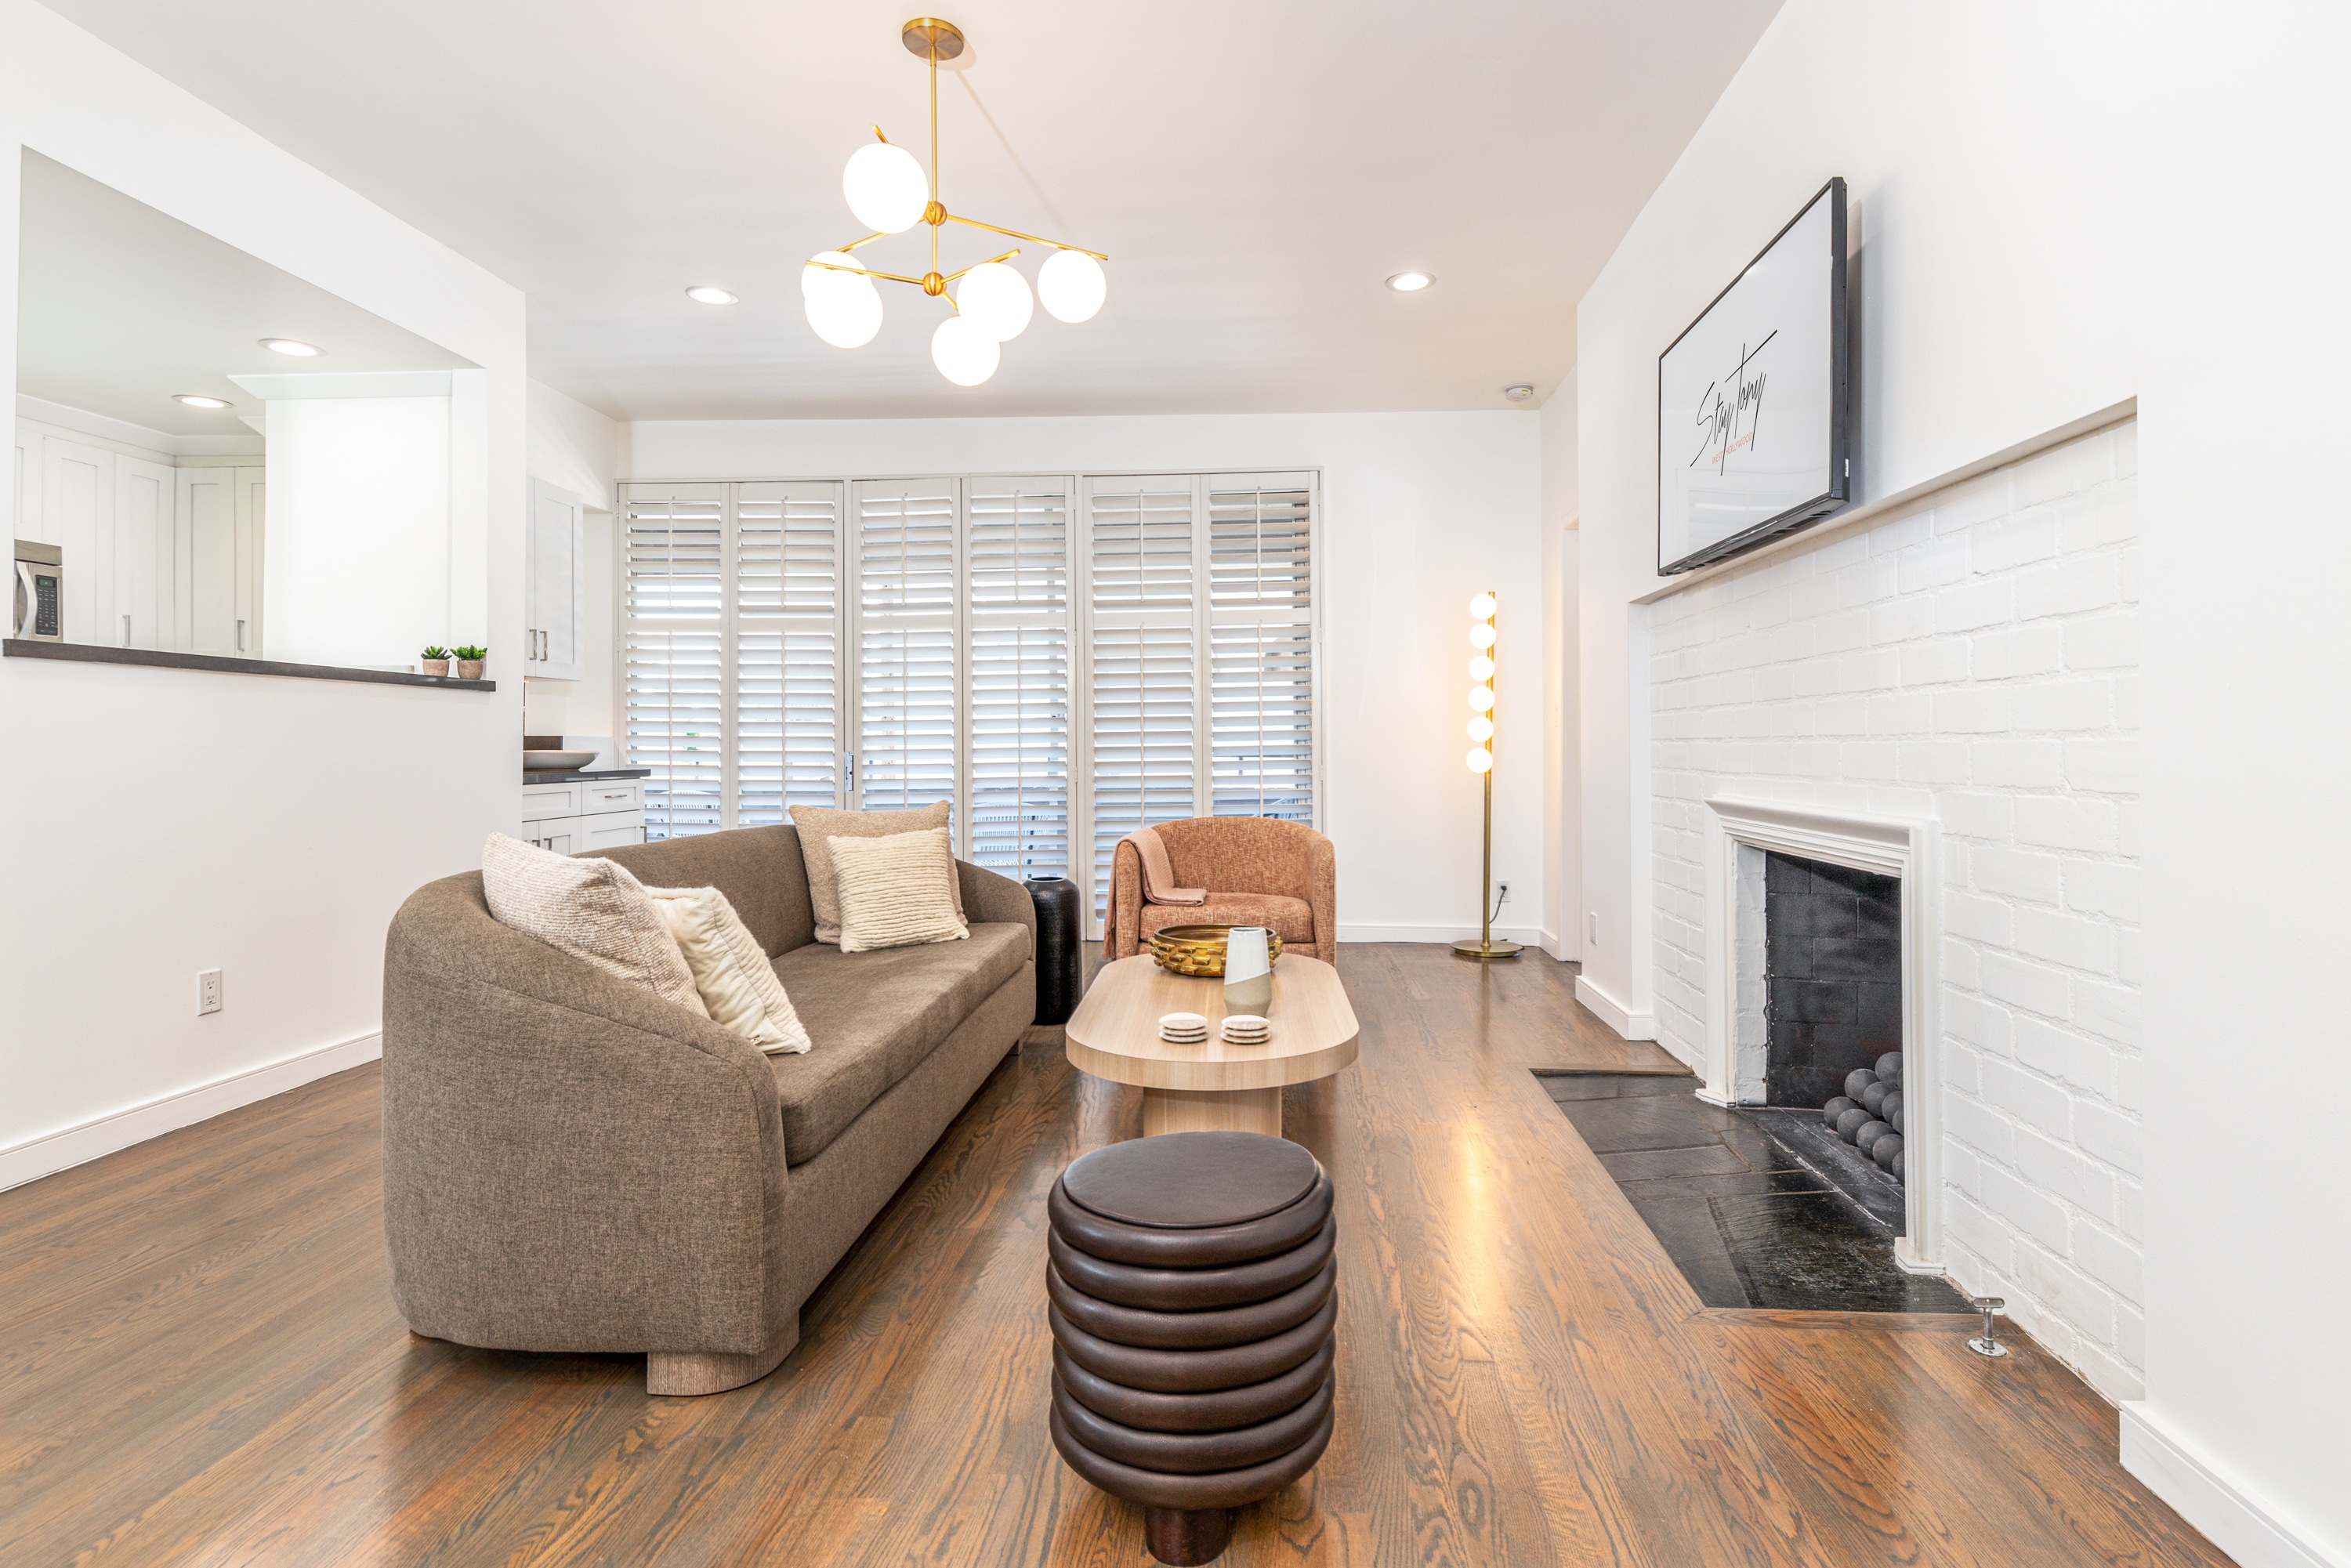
pixel 1738 833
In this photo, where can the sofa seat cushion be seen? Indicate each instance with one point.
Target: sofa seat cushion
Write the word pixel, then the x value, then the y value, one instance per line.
pixel 1292 919
pixel 875 1018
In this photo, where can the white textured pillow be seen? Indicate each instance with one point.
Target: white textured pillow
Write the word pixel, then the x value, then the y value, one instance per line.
pixel 592 909
pixel 894 891
pixel 737 982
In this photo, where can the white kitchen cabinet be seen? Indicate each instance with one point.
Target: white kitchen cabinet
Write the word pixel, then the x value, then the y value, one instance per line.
pixel 145 610
pixel 583 815
pixel 555 584
pixel 219 520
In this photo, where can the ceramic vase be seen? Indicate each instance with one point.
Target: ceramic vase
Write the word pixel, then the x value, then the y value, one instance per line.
pixel 1248 972
pixel 436 668
pixel 470 669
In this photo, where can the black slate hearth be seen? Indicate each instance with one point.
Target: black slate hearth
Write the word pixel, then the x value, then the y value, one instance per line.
pixel 1748 1220
pixel 1833 976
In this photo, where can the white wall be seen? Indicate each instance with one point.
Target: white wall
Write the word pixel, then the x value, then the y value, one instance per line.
pixel 357 539
pixel 265 826
pixel 1420 512
pixel 1972 660
pixel 1562 546
pixel 2249 678
pixel 2054 204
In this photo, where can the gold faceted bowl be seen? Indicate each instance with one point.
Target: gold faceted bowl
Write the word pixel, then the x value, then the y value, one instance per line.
pixel 1199 950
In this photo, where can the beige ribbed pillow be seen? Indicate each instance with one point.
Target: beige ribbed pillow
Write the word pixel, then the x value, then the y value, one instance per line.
pixel 818 827
pixel 592 909
pixel 737 982
pixel 893 894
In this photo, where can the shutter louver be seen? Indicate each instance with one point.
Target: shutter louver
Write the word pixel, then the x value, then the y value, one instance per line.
pixel 787 649
pixel 906 688
pixel 674 663
pixel 1016 543
pixel 1261 646
pixel 1145 663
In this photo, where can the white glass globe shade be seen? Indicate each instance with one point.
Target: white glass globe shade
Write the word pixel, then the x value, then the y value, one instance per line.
pixel 1482 668
pixel 1072 285
pixel 1482 607
pixel 1481 636
pixel 845 309
pixel 963 352
pixel 997 299
pixel 1482 729
pixel 815 276
pixel 1482 700
pixel 887 188
pixel 1480 760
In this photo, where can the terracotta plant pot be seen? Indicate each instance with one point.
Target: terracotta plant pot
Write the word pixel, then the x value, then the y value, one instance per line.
pixel 470 669
pixel 436 667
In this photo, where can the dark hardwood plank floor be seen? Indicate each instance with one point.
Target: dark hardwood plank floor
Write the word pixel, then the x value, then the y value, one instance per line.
pixel 200 1363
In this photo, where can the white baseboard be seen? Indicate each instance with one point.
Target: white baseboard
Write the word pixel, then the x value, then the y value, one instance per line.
pixel 1614 1013
pixel 54 1151
pixel 1527 935
pixel 2207 1498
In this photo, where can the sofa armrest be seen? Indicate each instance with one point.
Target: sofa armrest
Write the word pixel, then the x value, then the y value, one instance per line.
pixel 991 899
pixel 569 1163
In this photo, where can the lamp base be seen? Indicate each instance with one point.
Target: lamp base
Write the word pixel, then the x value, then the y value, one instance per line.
pixel 1487 952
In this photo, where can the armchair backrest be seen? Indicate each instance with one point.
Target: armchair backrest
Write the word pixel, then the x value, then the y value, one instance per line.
pixel 1240 854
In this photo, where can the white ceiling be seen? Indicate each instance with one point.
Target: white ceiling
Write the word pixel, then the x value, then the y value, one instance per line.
pixel 1255 172
pixel 121 308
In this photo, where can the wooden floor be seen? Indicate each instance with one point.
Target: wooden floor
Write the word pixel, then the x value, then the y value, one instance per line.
pixel 200 1363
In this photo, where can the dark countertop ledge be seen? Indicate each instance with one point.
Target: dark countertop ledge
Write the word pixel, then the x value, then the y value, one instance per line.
pixel 558 776
pixel 162 659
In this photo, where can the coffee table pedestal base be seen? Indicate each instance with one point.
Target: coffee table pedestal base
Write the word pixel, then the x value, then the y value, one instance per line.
pixel 1211 1111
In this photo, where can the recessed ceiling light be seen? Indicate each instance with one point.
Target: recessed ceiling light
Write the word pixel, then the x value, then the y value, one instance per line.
pixel 1411 282
pixel 197 400
pixel 1519 393
pixel 710 294
pixel 293 346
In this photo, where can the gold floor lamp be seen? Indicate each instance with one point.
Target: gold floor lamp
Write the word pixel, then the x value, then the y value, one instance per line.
pixel 1483 632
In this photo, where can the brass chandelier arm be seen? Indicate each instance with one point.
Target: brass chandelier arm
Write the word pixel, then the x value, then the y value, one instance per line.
pixel 1016 234
pixel 1007 255
pixel 864 272
pixel 869 239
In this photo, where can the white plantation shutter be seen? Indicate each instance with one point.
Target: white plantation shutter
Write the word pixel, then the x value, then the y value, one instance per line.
pixel 1261 645
pixel 787 625
pixel 1064 661
pixel 674 675
pixel 1017 634
pixel 1145 658
pixel 906 632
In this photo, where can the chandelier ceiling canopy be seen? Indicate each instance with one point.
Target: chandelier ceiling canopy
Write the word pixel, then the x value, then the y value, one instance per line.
pixel 889 193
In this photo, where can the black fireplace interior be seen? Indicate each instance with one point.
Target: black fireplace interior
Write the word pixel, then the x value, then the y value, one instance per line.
pixel 1833 974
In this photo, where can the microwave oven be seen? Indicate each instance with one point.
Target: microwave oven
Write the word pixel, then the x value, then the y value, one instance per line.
pixel 40 593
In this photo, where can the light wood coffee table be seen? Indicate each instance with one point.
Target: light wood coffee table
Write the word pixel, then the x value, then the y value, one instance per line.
pixel 1214 1086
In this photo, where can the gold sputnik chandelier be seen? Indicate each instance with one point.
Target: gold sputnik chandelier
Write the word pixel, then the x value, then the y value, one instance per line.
pixel 890 193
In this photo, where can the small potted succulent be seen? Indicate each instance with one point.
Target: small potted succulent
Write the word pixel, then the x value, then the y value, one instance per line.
pixel 469 662
pixel 436 661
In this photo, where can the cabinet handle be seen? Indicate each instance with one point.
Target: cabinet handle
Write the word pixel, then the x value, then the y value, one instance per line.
pixel 240 636
pixel 126 631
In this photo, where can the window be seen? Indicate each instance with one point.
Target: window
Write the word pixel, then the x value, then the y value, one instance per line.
pixel 1064 660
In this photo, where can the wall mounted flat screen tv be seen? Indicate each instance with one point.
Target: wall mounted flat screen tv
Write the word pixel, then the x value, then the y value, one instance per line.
pixel 1754 421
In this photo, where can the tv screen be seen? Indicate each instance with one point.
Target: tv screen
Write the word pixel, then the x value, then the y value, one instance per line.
pixel 1752 422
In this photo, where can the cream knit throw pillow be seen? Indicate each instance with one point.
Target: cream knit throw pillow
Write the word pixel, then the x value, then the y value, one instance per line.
pixel 737 982
pixel 820 828
pixel 894 891
pixel 593 910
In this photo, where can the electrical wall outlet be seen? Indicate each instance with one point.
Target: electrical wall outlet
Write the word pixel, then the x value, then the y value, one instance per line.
pixel 1595 929
pixel 1503 888
pixel 208 992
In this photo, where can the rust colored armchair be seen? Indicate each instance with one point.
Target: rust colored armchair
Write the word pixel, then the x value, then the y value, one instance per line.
pixel 1257 870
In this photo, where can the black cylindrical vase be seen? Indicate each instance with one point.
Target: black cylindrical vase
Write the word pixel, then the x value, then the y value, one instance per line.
pixel 1059 976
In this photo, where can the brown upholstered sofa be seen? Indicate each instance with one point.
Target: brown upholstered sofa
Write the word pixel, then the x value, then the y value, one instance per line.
pixel 1255 872
pixel 572 1164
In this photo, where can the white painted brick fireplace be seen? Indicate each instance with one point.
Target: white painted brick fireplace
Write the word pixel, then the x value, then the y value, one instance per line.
pixel 1971 660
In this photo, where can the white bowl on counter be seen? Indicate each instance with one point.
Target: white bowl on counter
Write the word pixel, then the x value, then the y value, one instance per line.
pixel 555 761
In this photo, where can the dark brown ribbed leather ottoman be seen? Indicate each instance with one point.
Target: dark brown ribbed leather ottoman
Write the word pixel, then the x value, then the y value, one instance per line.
pixel 1194 1284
